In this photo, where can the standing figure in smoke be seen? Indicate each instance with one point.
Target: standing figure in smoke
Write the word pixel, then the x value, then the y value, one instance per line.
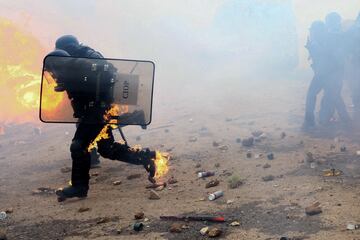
pixel 90 114
pixel 335 60
pixel 316 45
pixel 353 50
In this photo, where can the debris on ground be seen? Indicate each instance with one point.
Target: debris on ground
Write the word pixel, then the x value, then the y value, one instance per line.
pixel 204 231
pixel 198 165
pixel 201 218
pixel 248 142
pixel 214 232
pixel 270 156
pixel 43 190
pixel 138 226
pixel 234 224
pixel 343 149
pixel 133 176
pixel 3 216
pixel 257 156
pixel 351 226
pixel 268 178
pixel 257 133
pixel 234 182
pixel 175 228
pixel 154 195
pixel 115 183
pixel 205 174
pixel 172 180
pixel 266 165
pixel 314 209
pixel 192 139
pixel 217 165
pixel 248 154
pixel 216 144
pixel 223 148
pixel 139 215
pixel 103 220
pixel 331 172
pixel 212 183
pixel 216 195
pixel 230 201
pixel 9 210
pixel 83 209
pixel 65 169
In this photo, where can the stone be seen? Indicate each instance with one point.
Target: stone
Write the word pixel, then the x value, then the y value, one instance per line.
pixel 212 183
pixel 223 148
pixel 204 231
pixel 217 165
pixel 175 228
pixel 257 133
pixel 103 220
pixel 172 180
pixel 234 182
pixel 214 232
pixel 270 156
pixel 116 183
pixel 154 195
pixel 268 178
pixel 235 224
pixel 9 210
pixel 83 209
pixel 216 144
pixel 248 142
pixel 313 209
pixel 266 166
pixel 248 154
pixel 309 157
pixel 133 176
pixel 229 201
pixel 139 215
pixel 65 169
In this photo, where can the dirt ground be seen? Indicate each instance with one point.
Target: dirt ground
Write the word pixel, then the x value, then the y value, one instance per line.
pixel 264 209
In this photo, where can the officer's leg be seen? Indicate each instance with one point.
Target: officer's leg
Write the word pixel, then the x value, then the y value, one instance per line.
pixel 108 148
pixel 84 134
pixel 314 89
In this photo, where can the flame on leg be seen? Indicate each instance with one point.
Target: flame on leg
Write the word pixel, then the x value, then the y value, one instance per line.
pixel 161 164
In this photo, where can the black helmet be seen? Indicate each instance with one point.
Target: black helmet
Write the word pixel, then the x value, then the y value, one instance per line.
pixel 59 52
pixel 333 22
pixel 65 41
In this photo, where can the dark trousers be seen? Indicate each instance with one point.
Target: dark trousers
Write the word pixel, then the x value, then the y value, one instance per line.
pixel 316 85
pixel 107 148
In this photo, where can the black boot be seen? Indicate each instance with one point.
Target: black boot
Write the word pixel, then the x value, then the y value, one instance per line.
pixel 147 158
pixel 71 192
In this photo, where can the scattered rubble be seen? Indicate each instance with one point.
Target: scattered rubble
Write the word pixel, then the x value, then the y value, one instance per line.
pixel 116 183
pixel 9 210
pixel 138 226
pixel 234 182
pixel 198 165
pixel 212 183
pixel 103 220
pixel 192 139
pixel 205 174
pixel 3 216
pixel 309 157
pixel 172 180
pixel 268 178
pixel 248 154
pixel 216 144
pixel 204 231
pixel 230 201
pixel 216 195
pixel 248 142
pixel 266 165
pixel 351 226
pixel 217 165
pixel 43 191
pixel 133 176
pixel 83 209
pixel 313 209
pixel 176 228
pixel 234 224
pixel 65 169
pixel 257 133
pixel 270 156
pixel 214 232
pixel 139 215
pixel 331 172
pixel 223 148
pixel 154 195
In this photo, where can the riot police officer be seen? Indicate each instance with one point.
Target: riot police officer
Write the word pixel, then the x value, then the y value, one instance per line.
pixel 88 129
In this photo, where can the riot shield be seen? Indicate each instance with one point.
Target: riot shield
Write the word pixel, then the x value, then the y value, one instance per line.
pixel 90 90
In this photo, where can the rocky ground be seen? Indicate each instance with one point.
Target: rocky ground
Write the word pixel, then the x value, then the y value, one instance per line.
pixel 263 198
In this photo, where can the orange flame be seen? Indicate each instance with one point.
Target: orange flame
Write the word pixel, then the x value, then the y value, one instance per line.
pixel 162 164
pixel 114 111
